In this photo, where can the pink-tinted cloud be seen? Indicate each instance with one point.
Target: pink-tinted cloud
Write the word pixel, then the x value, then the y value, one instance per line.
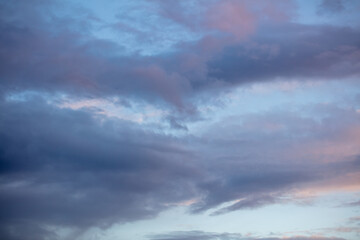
pixel 241 18
pixel 231 17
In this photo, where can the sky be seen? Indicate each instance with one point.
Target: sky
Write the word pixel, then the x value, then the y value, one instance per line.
pixel 180 120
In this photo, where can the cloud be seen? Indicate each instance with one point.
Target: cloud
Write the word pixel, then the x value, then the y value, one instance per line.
pixel 245 178
pixel 70 59
pixel 61 167
pixel 39 57
pixel 238 19
pixel 353 204
pixel 275 56
pixel 226 236
pixel 331 7
pixel 231 17
pixel 64 167
pixel 195 235
pixel 241 18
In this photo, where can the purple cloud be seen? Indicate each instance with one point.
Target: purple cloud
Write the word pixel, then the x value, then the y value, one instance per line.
pixel 67 167
pixel 39 57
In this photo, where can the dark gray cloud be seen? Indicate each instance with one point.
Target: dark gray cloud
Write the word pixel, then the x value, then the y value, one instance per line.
pixel 60 54
pixel 199 235
pixel 290 51
pixel 42 56
pixel 63 167
pixel 331 6
pixel 239 171
pixel 28 230
pixel 60 167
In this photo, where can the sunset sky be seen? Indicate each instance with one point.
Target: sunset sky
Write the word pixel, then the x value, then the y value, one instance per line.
pixel 179 120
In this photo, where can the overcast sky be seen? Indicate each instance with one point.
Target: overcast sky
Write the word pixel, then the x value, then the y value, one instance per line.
pixel 179 120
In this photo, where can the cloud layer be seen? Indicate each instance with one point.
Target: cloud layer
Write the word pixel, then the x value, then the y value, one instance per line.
pixel 77 164
pixel 226 236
